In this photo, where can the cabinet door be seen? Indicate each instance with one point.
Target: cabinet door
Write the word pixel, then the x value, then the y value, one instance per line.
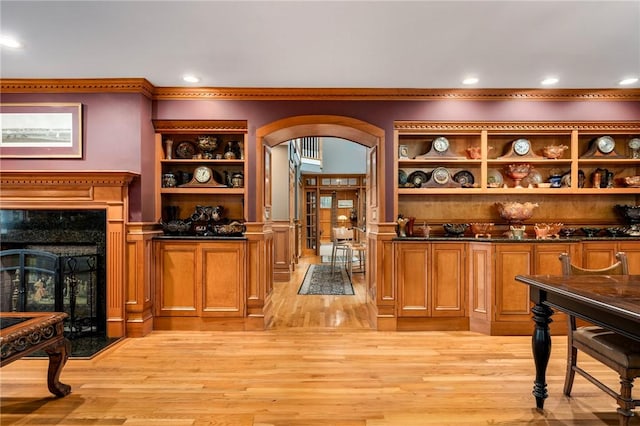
pixel 547 257
pixel 632 249
pixel 512 298
pixel 598 255
pixel 448 279
pixel 176 279
pixel 412 278
pixel 223 279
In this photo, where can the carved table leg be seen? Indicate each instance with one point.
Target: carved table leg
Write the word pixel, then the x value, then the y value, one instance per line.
pixel 541 346
pixel 58 355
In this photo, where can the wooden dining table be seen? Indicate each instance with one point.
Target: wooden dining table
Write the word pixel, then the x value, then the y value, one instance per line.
pixel 610 301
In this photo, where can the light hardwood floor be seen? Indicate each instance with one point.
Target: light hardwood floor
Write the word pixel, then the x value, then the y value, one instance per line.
pixel 317 364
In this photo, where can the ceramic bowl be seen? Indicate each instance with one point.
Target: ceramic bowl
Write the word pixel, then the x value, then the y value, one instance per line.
pixel 514 212
pixel 517 170
pixel 631 214
pixel 590 232
pixel 615 231
pixel 455 229
pixel 554 228
pixel 474 152
pixel 554 151
pixel 481 228
pixel 567 232
pixel 632 181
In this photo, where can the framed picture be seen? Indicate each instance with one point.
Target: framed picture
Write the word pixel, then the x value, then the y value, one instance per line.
pixel 403 151
pixel 41 130
pixel 345 204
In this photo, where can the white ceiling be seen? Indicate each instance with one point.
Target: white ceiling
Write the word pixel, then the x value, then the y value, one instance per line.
pixel 354 44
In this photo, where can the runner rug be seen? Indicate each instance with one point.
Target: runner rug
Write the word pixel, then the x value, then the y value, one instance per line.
pixel 321 281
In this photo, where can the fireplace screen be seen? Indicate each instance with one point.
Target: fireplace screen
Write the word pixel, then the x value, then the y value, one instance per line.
pixel 54 260
pixel 35 281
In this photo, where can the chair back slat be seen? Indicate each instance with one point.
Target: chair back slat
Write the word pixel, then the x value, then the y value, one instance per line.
pixel 621 267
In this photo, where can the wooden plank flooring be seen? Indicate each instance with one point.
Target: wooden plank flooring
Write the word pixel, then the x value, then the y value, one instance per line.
pixel 317 364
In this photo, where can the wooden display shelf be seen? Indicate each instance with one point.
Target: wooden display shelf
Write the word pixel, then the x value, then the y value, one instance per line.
pixel 203 190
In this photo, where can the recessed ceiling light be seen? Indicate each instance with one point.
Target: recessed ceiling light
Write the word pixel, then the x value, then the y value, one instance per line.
pixel 189 78
pixel 549 81
pixel 470 80
pixel 8 41
pixel 627 81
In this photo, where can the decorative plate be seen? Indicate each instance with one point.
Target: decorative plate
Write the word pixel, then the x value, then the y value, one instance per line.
pixel 185 150
pixel 402 177
pixel 464 178
pixel 417 178
pixel 494 178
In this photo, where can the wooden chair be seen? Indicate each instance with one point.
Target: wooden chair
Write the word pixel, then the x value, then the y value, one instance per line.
pixel 613 350
pixel 342 237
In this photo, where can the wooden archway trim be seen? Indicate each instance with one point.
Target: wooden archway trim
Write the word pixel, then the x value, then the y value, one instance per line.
pixel 337 126
pixel 320 125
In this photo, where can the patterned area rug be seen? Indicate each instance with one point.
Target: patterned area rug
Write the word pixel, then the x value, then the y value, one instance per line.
pixel 321 281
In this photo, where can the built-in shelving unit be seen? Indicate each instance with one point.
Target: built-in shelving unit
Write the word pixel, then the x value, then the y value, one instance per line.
pixel 179 159
pixel 483 176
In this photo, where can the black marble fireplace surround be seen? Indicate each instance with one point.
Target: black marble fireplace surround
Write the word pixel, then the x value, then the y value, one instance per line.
pixel 75 241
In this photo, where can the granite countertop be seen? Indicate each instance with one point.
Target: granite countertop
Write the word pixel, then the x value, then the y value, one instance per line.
pixel 512 240
pixel 201 238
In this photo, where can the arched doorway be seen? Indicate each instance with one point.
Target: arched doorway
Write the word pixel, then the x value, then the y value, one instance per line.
pixel 347 128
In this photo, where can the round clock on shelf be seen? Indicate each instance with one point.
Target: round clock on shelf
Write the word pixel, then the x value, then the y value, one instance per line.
pixel 440 175
pixel 603 146
pixel 441 144
pixel 205 177
pixel 634 145
pixel 606 144
pixel 521 146
pixel 202 174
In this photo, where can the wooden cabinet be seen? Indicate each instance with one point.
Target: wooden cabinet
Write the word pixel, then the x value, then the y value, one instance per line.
pixel 199 278
pixel 511 297
pixel 430 279
pixel 183 166
pixel 600 254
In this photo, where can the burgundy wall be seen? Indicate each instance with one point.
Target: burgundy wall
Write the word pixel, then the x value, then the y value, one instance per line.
pixel 118 133
pixel 384 113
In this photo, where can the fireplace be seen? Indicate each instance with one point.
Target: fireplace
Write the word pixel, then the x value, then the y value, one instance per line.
pixel 83 195
pixel 54 260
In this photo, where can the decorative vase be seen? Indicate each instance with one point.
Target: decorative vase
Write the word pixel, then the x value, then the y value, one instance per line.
pixel 409 227
pixel 168 149
pixel 402 226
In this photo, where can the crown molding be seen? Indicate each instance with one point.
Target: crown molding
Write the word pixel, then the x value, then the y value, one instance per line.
pixel 374 94
pixel 85 85
pixel 181 126
pixel 510 126
pixel 143 86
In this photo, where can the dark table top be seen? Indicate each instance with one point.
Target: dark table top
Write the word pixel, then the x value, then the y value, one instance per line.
pixel 620 293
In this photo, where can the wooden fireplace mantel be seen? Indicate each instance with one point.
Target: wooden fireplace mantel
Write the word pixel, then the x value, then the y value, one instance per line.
pixel 108 190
